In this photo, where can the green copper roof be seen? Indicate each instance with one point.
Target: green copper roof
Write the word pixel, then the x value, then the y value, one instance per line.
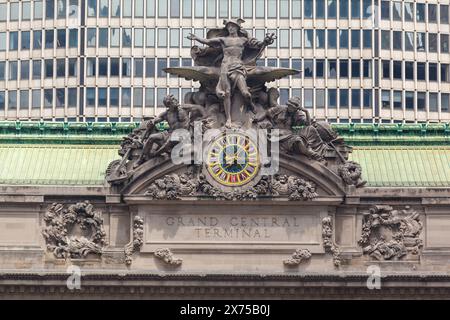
pixel 392 166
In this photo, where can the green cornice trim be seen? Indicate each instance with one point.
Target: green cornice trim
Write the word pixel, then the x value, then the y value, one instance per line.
pixel 101 133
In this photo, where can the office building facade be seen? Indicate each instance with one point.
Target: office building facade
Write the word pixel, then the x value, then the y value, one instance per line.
pixel 103 60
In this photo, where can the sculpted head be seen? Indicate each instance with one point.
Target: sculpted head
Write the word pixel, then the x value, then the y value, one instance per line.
pixel 273 96
pixel 171 102
pixel 233 27
pixel 293 104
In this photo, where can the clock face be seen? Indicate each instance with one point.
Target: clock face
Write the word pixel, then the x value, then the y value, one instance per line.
pixel 233 160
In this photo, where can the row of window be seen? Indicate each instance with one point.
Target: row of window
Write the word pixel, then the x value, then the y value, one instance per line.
pixel 26 10
pixel 414 41
pixel 38 39
pixel 410 70
pixel 410 11
pixel 139 97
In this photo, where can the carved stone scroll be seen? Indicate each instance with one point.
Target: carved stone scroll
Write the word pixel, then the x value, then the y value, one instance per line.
pixel 58 232
pixel 138 239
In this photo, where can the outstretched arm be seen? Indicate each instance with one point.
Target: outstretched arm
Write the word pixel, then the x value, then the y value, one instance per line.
pixel 208 42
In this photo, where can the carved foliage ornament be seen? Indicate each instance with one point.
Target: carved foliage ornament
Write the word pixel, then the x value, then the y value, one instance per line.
pixel 167 257
pixel 389 234
pixel 60 221
pixel 173 187
pixel 297 257
pixel 328 243
pixel 138 239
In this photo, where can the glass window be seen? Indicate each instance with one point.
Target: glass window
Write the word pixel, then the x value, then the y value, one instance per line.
pixel 60 68
pixel 398 70
pixel 247 8
pixel 343 39
pixel 420 12
pixel 444 43
pixel 26 10
pixel 432 72
pixel 444 13
pixel 92 8
pixel 432 42
pixel 162 64
pixel 223 8
pixel 320 98
pixel 355 9
pixel 103 9
pixel 309 38
pixel 37 39
pixel 356 98
pixel 114 97
pixel 186 43
pixel 126 67
pixel 397 99
pixel 296 38
pixel 139 8
pixel 25 40
pixel 150 68
pixel 150 8
pixel 320 9
pixel 421 100
pixel 332 98
pixel 115 37
pixel 3 14
pixel 126 97
pixel 343 68
pixel 102 97
pixel 90 97
pixel 14 41
pixel 127 8
pixel 445 105
pixel 421 71
pixel 24 70
pixel 445 72
pixel 355 39
pixel 343 98
pixel 115 8
pixel 61 38
pixel 138 38
pixel 309 68
pixel 320 68
pixel 320 39
pixel 138 67
pixel 37 11
pixel 37 69
pixel 386 64
pixel 308 98
pixel 356 68
pixel 420 41
pixel 367 39
pixel 2 70
pixel 73 38
pixel 385 98
pixel 284 38
pixel 308 9
pixel 433 102
pixel 103 37
pixel 284 8
pixel 332 35
pixel 48 98
pixel 2 41
pixel 297 65
pixel 12 99
pixel 367 98
pixel 198 8
pixel 72 72
pixel 174 8
pixel 13 70
pixel 385 40
pixel 150 38
pixel 114 67
pixel 60 98
pixel 332 69
pixel 272 8
pixel 397 11
pixel 50 9
pixel 385 8
pixel 397 40
pixel 409 41
pixel 162 38
pixel 409 100
pixel 91 34
pixel 187 8
pixel 49 39
pixel 73 9
pixel 409 70
pixel 367 9
pixel 90 67
pixel 343 9
pixel 102 67
pixel 137 97
pixel 409 11
pixel 432 12
pixel 126 38
pixel 36 99
pixel 367 68
pixel 61 9
pixel 332 9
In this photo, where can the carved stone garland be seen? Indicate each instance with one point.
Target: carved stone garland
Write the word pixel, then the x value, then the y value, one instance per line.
pixel 173 187
pixel 297 257
pixel 167 256
pixel 138 239
pixel 60 221
pixel 389 234
pixel 328 243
